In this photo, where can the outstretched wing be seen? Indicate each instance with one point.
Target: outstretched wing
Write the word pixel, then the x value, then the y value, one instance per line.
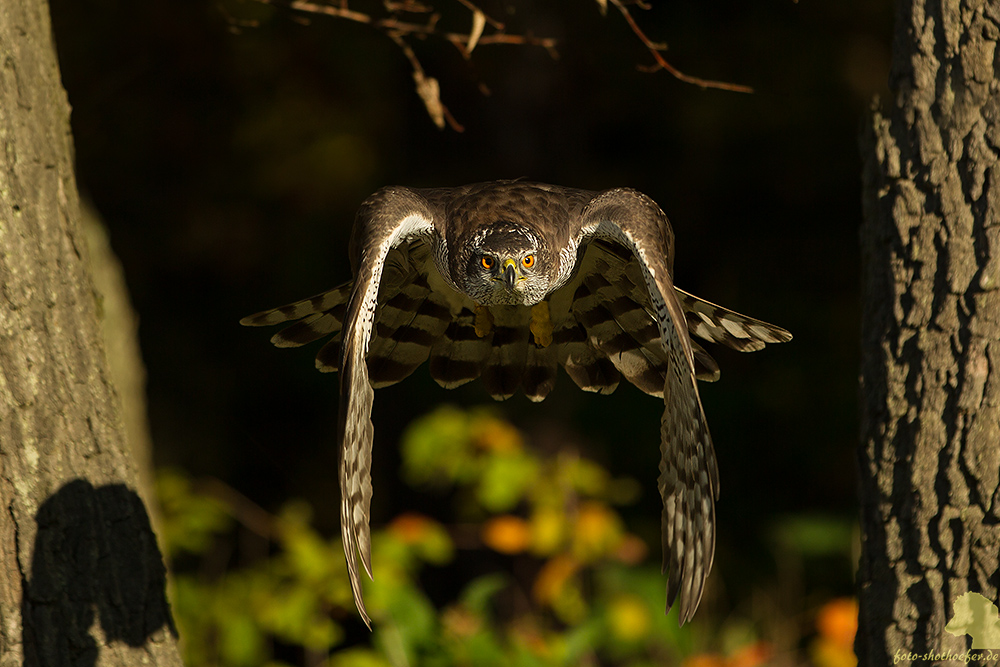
pixel 689 479
pixel 387 219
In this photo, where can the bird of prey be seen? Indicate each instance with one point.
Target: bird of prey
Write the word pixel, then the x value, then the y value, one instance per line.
pixel 506 281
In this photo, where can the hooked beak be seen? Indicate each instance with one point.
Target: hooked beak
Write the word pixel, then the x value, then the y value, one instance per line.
pixel 509 274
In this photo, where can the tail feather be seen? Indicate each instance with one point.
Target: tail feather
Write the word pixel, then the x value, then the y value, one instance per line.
pixel 539 372
pixel 504 368
pixel 459 354
pixel 589 369
pixel 726 327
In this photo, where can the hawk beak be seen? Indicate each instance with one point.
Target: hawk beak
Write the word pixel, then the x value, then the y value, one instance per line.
pixel 509 274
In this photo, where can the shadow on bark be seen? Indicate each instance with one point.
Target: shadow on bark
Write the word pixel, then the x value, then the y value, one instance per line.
pixel 95 559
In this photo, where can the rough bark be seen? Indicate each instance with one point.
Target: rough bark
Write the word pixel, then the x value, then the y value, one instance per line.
pixel 81 579
pixel 930 390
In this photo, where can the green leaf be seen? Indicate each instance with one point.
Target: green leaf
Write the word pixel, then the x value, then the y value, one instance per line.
pixel 478 594
pixel 506 479
pixel 240 640
pixel 436 448
pixel 814 534
pixel 358 657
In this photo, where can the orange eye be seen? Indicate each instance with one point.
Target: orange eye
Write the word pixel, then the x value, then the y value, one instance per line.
pixel 528 261
pixel 487 262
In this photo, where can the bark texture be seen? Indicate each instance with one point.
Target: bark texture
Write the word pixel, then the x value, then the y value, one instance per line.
pixel 930 390
pixel 81 579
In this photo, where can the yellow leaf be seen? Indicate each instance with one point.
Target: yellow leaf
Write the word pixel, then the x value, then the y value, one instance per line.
pixel 827 653
pixel 597 533
pixel 548 526
pixel 430 92
pixel 629 618
pixel 478 23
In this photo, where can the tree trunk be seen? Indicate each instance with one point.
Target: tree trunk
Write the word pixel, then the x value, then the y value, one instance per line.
pixel 81 579
pixel 930 386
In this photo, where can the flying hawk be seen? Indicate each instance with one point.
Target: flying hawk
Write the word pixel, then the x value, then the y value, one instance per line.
pixel 506 281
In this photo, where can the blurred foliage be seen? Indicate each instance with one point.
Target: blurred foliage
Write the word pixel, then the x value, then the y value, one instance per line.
pixel 571 585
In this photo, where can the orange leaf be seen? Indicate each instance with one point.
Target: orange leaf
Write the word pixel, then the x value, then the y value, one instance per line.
pixel 497 435
pixel 553 577
pixel 837 621
pixel 751 655
pixel 410 527
pixel 704 660
pixel 507 534
pixel 631 551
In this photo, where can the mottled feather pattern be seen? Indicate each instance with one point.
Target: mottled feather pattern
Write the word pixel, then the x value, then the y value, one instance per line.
pixel 726 327
pixel 595 307
pixel 324 302
pixel 459 355
pixel 586 366
pixel 504 368
pixel 407 326
pixel 391 218
pixel 689 485
pixel 614 312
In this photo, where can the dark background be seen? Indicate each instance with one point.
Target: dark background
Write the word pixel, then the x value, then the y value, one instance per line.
pixel 227 161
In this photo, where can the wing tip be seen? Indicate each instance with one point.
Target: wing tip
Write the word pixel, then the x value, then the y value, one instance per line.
pixel 265 318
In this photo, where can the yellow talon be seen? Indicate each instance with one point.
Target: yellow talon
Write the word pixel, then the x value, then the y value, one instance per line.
pixel 484 321
pixel 541 324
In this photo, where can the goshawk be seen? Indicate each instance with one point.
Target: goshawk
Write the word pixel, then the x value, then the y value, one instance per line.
pixel 506 281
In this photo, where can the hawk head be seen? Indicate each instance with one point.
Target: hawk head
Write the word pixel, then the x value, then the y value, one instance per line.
pixel 508 265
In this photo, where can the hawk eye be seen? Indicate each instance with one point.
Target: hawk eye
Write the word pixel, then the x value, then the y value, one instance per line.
pixel 528 261
pixel 487 262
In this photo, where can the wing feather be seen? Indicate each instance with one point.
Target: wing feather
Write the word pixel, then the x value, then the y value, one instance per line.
pixel 386 219
pixel 726 327
pixel 320 303
pixel 688 480
pixel 408 326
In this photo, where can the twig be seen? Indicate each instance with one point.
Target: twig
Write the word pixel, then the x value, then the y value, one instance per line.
pixel 397 30
pixel 661 62
pixel 472 8
pixel 244 510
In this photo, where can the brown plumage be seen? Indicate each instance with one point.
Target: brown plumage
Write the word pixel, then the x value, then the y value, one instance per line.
pixel 504 282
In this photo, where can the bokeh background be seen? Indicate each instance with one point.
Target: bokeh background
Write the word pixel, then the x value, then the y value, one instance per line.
pixel 226 146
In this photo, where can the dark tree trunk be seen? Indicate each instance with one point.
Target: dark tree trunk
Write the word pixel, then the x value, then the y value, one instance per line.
pixel 81 578
pixel 930 390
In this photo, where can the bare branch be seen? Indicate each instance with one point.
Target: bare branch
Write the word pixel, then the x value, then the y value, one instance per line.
pixel 661 62
pixel 484 30
pixel 427 88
